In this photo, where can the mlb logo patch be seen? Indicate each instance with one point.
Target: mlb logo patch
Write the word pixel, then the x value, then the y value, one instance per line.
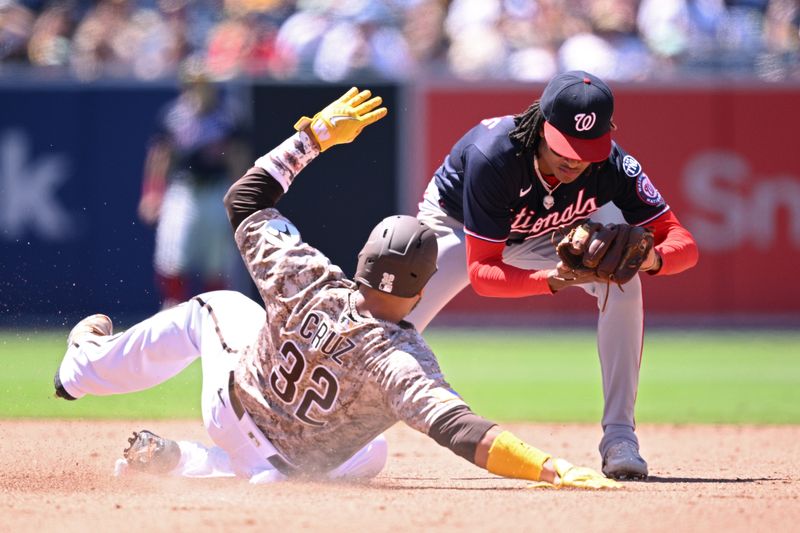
pixel 631 166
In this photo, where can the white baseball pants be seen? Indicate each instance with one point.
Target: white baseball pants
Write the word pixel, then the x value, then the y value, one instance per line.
pixel 193 233
pixel 214 327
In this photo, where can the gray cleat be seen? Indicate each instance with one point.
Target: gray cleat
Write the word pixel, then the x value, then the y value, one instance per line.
pixel 622 461
pixel 147 452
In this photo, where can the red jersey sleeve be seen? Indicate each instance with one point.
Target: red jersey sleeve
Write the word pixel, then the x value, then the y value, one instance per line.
pixel 490 276
pixel 674 243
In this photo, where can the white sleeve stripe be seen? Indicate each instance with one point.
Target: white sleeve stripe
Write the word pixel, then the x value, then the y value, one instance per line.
pixel 666 208
pixel 481 237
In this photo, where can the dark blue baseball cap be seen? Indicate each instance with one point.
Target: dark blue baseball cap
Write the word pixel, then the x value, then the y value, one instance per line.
pixel 577 108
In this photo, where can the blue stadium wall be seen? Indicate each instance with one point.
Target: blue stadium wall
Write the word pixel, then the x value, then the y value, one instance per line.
pixel 71 159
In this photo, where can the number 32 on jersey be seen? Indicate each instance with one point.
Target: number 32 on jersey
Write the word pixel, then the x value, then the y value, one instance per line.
pixel 284 379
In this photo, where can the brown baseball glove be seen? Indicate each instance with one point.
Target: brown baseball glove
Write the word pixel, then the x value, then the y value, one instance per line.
pixel 614 252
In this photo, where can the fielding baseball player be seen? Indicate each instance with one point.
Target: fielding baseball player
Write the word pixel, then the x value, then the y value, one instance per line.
pixel 197 150
pixel 509 184
pixel 307 387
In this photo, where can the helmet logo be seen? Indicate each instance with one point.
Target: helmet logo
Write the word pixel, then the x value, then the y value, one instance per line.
pixel 584 122
pixel 387 282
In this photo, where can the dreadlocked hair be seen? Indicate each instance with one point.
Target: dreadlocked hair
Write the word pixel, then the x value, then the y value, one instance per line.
pixel 528 125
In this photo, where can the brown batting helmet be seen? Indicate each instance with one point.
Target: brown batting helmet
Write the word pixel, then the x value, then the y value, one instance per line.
pixel 399 257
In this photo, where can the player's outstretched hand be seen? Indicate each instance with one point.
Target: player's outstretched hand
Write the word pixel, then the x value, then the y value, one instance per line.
pixel 581 477
pixel 563 276
pixel 342 120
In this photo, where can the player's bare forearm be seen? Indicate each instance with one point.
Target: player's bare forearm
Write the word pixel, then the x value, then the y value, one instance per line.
pixel 156 166
pixel 154 182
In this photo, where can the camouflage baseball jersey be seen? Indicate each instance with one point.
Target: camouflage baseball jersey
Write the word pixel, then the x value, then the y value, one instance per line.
pixel 323 381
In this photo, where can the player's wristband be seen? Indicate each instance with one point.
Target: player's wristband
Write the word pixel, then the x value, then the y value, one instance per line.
pixel 290 157
pixel 511 457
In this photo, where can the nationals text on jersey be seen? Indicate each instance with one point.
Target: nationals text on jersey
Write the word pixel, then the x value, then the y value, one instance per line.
pixel 522 223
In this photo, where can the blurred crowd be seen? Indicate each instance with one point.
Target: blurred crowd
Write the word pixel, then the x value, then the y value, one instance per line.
pixel 526 40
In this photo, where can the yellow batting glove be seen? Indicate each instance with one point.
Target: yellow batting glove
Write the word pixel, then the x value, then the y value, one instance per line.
pixel 342 120
pixel 581 477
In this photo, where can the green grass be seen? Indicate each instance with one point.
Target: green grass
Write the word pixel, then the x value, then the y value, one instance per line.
pixel 687 377
pixel 29 360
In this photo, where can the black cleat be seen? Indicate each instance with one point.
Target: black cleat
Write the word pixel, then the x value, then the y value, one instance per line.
pixel 623 462
pixel 61 392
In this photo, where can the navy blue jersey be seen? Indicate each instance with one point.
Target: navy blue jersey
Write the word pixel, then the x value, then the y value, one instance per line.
pixel 199 141
pixel 497 195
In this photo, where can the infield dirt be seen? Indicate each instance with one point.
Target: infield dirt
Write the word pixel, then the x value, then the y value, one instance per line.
pixel 57 476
